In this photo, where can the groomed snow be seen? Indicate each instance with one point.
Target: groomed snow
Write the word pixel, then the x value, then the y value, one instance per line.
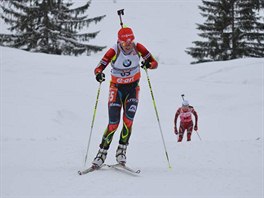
pixel 47 105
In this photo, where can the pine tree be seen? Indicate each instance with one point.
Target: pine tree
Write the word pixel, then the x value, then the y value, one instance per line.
pixel 216 39
pixel 48 26
pixel 232 30
pixel 249 30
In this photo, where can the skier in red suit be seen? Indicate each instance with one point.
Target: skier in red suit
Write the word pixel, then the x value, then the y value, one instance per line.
pixel 124 57
pixel 186 123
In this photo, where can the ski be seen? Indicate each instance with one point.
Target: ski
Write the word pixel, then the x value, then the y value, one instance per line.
pixel 124 167
pixel 90 169
pixel 119 167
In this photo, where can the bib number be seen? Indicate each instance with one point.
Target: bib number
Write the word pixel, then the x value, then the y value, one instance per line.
pixel 112 94
pixel 123 74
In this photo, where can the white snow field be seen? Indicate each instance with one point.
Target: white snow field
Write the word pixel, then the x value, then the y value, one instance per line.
pixel 47 105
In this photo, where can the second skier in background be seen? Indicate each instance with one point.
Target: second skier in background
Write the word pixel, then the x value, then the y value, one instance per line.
pixel 186 123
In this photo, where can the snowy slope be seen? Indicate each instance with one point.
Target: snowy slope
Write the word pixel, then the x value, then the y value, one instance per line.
pixel 47 106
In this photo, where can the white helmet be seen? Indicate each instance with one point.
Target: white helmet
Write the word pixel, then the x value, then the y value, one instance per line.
pixel 185 103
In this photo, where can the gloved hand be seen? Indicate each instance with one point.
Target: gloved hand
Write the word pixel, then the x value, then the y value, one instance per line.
pixel 195 128
pixel 100 77
pixel 176 130
pixel 145 64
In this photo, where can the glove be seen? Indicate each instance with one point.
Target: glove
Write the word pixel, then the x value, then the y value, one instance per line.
pixel 145 64
pixel 176 130
pixel 100 77
pixel 195 127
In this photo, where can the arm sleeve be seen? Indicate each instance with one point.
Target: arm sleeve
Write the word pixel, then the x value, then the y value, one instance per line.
pixel 176 117
pixel 195 115
pixel 105 61
pixel 146 55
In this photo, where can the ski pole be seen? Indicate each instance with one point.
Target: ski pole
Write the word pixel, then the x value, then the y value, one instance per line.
pixel 198 135
pixel 157 115
pixel 94 113
pixel 120 12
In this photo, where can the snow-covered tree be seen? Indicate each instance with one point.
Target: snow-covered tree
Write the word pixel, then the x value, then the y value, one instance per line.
pixel 232 30
pixel 48 26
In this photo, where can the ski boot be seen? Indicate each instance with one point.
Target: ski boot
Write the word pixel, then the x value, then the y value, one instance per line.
pixel 100 158
pixel 180 138
pixel 189 137
pixel 121 154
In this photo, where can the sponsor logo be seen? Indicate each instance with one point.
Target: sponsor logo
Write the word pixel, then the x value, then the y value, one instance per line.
pixel 126 35
pixel 132 100
pixel 127 63
pixel 125 80
pixel 132 108
pixel 114 105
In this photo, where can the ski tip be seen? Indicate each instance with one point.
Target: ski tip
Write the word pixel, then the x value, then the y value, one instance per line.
pixel 79 173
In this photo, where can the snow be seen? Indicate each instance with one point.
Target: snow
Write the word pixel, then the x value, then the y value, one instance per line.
pixel 47 105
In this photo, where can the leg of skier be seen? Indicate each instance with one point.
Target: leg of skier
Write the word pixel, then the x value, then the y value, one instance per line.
pixel 130 108
pixel 181 133
pixel 114 109
pixel 189 131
